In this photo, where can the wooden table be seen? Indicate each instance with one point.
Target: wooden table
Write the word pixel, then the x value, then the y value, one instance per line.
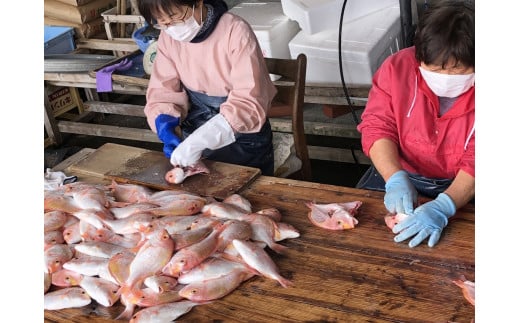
pixel 339 276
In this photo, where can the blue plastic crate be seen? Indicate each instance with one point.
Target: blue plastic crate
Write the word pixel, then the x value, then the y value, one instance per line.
pixel 58 40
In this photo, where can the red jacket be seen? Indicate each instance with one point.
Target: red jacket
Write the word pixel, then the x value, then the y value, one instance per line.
pixel 402 108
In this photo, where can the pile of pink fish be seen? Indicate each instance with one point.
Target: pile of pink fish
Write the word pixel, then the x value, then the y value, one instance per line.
pixel 159 253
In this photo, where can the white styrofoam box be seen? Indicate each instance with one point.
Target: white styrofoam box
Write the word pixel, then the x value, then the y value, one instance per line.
pixel 366 42
pixel 272 28
pixel 317 15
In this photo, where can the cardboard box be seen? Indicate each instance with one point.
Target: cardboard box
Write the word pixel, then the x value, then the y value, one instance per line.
pixel 366 42
pixel 85 30
pixel 314 16
pixel 272 28
pixel 61 99
pixel 77 14
pixel 58 40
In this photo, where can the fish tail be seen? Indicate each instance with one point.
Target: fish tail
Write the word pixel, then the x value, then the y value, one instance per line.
pixel 284 282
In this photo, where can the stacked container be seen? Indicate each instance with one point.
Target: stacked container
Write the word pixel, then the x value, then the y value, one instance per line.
pixel 272 28
pixel 371 32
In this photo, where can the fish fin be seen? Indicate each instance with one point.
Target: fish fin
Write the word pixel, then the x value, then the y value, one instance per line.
pixel 278 248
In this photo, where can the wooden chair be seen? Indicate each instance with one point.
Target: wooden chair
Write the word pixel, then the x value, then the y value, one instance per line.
pixel 288 102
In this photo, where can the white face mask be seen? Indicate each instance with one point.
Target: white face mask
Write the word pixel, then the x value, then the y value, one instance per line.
pixel 188 30
pixel 448 85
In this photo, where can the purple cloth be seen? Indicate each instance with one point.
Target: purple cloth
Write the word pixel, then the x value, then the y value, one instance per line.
pixel 104 75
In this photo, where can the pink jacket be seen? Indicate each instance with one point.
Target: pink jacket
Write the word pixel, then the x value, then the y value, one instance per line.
pixel 402 108
pixel 227 63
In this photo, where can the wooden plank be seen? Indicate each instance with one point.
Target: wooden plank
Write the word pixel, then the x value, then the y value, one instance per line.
pixel 335 100
pixel 336 90
pixel 317 128
pixel 80 155
pixel 84 80
pixel 146 167
pixel 115 108
pixel 50 123
pixel 338 155
pixel 101 130
pixel 126 45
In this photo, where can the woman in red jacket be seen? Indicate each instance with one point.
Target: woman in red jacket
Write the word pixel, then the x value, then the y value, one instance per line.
pixel 418 127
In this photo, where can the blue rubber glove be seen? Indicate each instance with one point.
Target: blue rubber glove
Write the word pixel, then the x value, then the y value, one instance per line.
pixel 165 125
pixel 427 220
pixel 401 195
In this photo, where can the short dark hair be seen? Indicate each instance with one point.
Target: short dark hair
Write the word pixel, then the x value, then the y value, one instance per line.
pixel 151 8
pixel 446 31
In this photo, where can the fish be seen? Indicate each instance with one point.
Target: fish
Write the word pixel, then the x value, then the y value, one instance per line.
pixel 178 174
pixel 215 288
pixel 110 252
pixel 210 268
pixel 69 297
pixel 223 210
pixel 86 265
pixel 126 211
pixel 55 201
pixel 124 240
pixel 98 248
pixel 285 231
pixel 147 297
pixel 56 256
pixel 131 224
pixel 101 290
pixel 71 234
pixel 179 207
pixel 152 256
pixel 66 278
pixel 186 238
pixel 54 220
pixel 264 229
pixel 271 212
pixel 468 288
pixel 233 229
pixel 391 219
pixel 256 257
pixel 130 193
pixel 163 313
pixel 191 256
pixel 90 197
pixel 174 223
pixel 52 237
pixel 160 283
pixel 334 216
pixel 240 201
pixel 119 266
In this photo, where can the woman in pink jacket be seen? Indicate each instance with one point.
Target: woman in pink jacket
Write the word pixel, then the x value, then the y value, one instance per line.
pixel 418 127
pixel 209 77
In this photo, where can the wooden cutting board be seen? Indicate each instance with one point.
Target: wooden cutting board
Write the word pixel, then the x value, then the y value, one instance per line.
pixel 127 164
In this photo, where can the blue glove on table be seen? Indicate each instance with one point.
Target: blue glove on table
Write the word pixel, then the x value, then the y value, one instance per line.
pixel 427 220
pixel 165 125
pixel 401 195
